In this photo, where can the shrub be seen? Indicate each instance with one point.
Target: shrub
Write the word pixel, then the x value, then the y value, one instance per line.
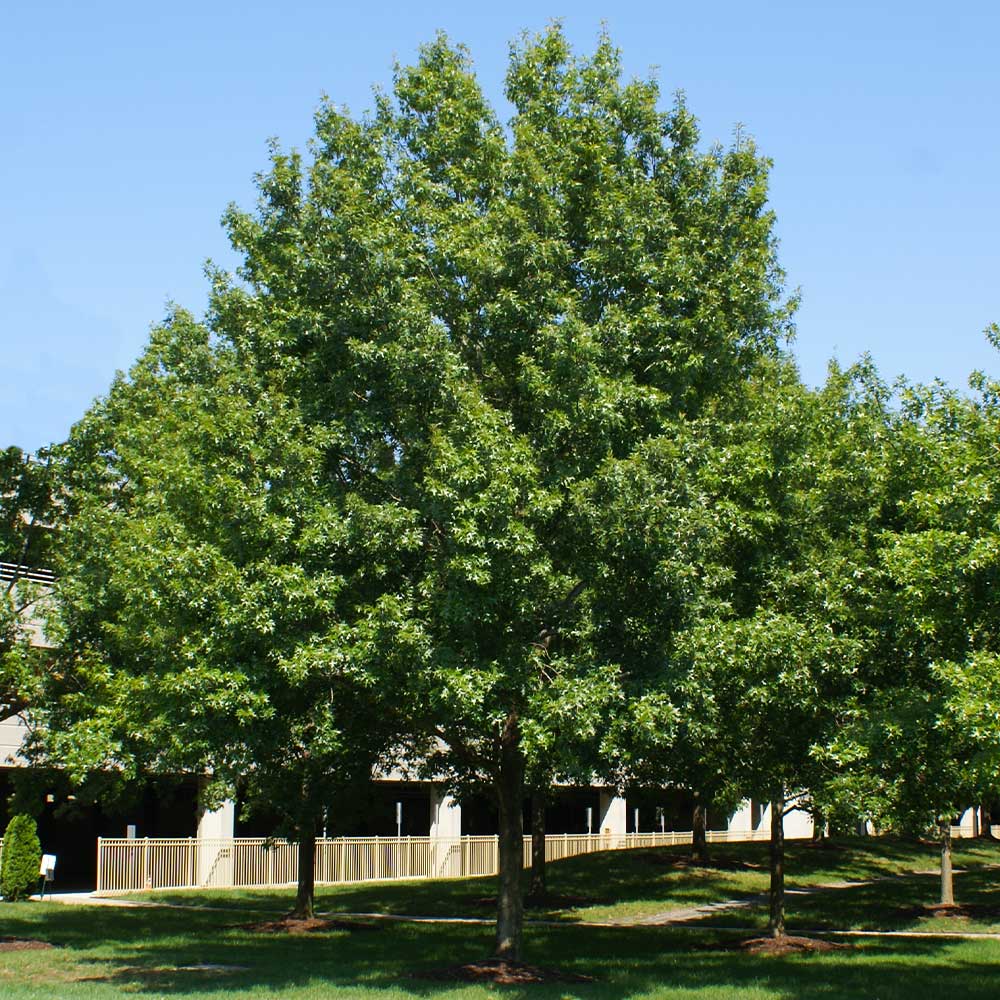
pixel 22 855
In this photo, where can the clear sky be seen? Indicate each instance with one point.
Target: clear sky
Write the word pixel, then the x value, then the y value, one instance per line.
pixel 126 128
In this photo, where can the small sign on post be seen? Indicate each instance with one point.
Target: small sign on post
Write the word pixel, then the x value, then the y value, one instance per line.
pixel 47 871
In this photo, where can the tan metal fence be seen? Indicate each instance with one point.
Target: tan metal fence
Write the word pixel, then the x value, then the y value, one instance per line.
pixel 129 865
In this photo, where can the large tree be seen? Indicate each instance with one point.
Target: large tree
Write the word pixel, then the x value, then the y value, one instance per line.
pixel 475 344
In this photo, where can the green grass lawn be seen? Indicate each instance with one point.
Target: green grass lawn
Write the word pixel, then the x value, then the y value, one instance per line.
pixel 108 952
pixel 645 882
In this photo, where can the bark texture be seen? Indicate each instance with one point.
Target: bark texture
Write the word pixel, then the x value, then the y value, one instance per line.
pixel 510 796
pixel 776 921
pixel 699 839
pixel 305 894
pixel 538 800
pixel 985 821
pixel 819 827
pixel 947 875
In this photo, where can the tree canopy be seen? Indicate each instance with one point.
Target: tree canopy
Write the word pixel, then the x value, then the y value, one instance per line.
pixel 425 449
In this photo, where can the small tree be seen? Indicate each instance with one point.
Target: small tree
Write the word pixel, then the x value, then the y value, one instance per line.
pixel 22 855
pixel 926 735
pixel 762 677
pixel 198 588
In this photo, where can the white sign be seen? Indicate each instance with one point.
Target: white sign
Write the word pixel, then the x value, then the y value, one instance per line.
pixel 47 869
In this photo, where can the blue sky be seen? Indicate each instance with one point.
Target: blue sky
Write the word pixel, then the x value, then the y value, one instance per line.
pixel 127 128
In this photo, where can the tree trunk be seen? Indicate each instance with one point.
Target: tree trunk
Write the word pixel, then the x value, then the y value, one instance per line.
pixel 947 876
pixel 819 827
pixel 538 798
pixel 510 796
pixel 305 896
pixel 776 923
pixel 985 822
pixel 699 840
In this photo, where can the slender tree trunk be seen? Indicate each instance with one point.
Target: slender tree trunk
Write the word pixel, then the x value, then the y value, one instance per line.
pixel 819 827
pixel 510 795
pixel 776 923
pixel 985 822
pixel 305 896
pixel 947 876
pixel 699 840
pixel 538 799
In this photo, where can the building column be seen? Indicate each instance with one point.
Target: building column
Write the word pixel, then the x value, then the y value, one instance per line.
pixel 968 823
pixel 798 825
pixel 446 825
pixel 446 814
pixel 614 818
pixel 741 821
pixel 214 848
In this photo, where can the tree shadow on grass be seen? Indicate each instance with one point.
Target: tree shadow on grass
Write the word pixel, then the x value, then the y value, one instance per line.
pixel 644 879
pixel 156 952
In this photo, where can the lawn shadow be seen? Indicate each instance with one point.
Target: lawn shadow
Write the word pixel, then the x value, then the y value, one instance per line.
pixel 158 952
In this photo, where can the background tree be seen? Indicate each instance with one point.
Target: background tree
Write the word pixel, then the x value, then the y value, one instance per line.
pixel 28 509
pixel 764 676
pixel 22 856
pixel 199 624
pixel 927 742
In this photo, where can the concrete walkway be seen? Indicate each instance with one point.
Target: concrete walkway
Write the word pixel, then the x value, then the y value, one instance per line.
pixel 91 899
pixel 684 914
pixel 680 917
pixel 678 924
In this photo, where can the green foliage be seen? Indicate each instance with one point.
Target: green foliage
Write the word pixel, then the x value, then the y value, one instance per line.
pixel 28 510
pixel 923 742
pixel 785 486
pixel 22 855
pixel 199 629
pixel 416 471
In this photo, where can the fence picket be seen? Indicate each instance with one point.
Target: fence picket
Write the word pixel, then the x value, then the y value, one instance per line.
pixel 131 865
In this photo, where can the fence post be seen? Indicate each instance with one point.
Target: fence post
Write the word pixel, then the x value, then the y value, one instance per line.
pixel 147 882
pixel 99 863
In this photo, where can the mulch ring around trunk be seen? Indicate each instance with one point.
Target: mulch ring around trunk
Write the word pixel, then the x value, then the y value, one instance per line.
pixel 788 944
pixel 23 944
pixel 501 971
pixel 306 925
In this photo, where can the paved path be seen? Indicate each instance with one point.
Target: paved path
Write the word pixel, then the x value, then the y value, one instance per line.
pixel 679 925
pixel 684 914
pixel 677 917
pixel 90 899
